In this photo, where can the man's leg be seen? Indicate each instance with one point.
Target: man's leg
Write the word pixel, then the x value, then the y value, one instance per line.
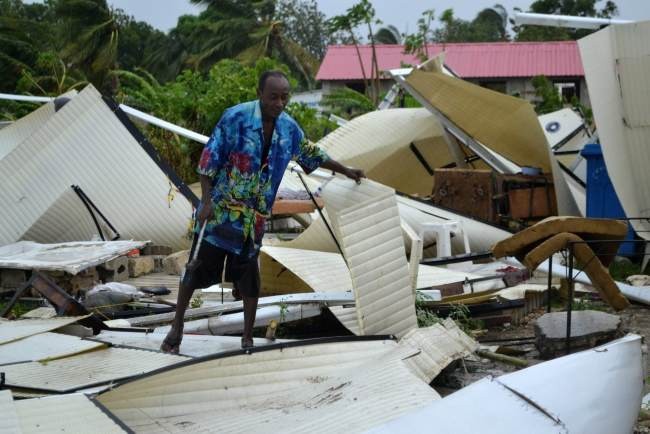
pixel 207 273
pixel 250 311
pixel 246 277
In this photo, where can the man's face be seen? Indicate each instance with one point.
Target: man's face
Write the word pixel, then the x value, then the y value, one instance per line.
pixel 274 97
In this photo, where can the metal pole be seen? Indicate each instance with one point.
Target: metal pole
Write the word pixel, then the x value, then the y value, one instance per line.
pixel 550 279
pixel 570 301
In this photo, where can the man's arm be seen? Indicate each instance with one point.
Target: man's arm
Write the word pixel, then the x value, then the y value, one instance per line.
pixel 207 210
pixel 350 172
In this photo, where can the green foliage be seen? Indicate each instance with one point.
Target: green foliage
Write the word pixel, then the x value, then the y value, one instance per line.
pixel 313 124
pixel 196 301
pixel 581 8
pixel 621 270
pixel 347 103
pixel 417 42
pixel 304 24
pixel 460 314
pixel 584 303
pixel 551 100
pixel 489 25
pixel 425 317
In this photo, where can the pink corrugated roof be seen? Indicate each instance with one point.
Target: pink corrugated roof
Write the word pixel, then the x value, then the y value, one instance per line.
pixel 469 60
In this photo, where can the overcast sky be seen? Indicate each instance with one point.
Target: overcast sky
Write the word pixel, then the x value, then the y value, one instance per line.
pixel 403 14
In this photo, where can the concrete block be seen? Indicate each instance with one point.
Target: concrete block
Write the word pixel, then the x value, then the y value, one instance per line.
pixel 115 270
pixel 174 263
pixel 140 266
pixel 158 266
pixel 79 284
pixel 12 279
pixel 589 328
pixel 157 250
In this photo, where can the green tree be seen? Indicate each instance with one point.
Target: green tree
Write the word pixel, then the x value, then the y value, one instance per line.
pixel 49 76
pixel 348 103
pixel 489 25
pixel 580 8
pixel 417 42
pixel 91 35
pixel 304 24
pixel 360 14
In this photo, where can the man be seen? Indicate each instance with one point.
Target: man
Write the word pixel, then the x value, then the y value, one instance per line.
pixel 241 168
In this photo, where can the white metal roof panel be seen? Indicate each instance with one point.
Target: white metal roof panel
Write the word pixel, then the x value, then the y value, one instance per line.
pixel 320 387
pixel 87 145
pixel 11 331
pixel 192 345
pixel 617 72
pixel 71 257
pixel 564 395
pixel 8 416
pixel 87 369
pixel 366 220
pixel 74 413
pixel 376 140
pixel 16 132
pixel 44 346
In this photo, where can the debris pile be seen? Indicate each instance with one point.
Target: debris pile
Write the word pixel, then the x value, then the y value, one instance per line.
pixel 449 258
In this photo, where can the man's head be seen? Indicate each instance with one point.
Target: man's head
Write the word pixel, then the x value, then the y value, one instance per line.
pixel 273 92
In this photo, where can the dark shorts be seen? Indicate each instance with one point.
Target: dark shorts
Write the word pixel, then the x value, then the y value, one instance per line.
pixel 243 272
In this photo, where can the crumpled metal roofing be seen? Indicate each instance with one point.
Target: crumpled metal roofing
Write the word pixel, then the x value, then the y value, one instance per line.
pixel 44 346
pixel 11 331
pixel 71 257
pixel 86 144
pixel 366 221
pixel 617 61
pixel 74 413
pixel 597 391
pixel 504 124
pixel 87 369
pixel 322 385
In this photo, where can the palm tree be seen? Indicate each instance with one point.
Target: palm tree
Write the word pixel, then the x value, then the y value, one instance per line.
pixel 246 30
pixel 91 39
pixel 17 50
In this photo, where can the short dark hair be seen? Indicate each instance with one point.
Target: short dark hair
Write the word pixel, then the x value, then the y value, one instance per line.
pixel 267 74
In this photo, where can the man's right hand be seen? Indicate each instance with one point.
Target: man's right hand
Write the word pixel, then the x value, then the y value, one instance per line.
pixel 206 211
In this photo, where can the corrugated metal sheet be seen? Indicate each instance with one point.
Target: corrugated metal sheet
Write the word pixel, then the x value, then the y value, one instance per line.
pixel 87 369
pixel 67 413
pixel 8 416
pixel 44 346
pixel 367 223
pixel 192 346
pixel 85 144
pixel 506 125
pixel 327 387
pixel 376 140
pixel 618 78
pixel 439 345
pixel 11 331
pixel 71 257
pixel 469 60
pixel 66 219
pixel 12 135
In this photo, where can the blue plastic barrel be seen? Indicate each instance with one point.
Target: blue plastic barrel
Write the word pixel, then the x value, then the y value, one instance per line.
pixel 602 201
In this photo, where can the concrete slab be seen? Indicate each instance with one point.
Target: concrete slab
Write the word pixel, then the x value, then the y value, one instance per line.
pixel 588 329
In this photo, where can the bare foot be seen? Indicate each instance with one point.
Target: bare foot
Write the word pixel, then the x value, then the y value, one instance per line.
pixel 246 343
pixel 172 342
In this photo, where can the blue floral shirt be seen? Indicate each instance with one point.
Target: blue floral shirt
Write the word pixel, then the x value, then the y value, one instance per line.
pixel 243 186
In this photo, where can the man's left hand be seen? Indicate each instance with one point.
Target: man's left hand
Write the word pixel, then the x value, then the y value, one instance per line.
pixel 355 174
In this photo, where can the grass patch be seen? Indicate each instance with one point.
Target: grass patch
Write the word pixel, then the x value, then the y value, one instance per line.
pixel 620 270
pixel 19 308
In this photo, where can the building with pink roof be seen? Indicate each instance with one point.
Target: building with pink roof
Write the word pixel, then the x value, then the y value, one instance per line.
pixel 504 66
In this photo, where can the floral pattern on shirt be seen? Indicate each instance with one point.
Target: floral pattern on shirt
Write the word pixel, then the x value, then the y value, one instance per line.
pixel 243 186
